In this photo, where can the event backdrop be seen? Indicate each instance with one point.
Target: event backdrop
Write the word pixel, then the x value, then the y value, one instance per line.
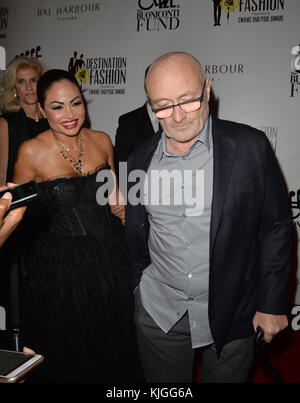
pixel 249 48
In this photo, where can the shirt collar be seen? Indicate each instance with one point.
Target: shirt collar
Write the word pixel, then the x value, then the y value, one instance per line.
pixel 204 138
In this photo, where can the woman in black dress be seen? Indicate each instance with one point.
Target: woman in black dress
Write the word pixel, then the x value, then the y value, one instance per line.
pixel 77 302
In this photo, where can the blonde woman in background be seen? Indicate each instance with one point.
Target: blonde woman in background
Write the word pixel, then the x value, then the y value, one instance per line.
pixel 20 118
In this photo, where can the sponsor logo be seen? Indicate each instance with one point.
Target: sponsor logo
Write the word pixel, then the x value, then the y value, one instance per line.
pixel 158 15
pixel 217 71
pixel 34 52
pixel 3 21
pixel 69 12
pixel 272 133
pixel 226 12
pixel 295 73
pixel 294 201
pixel 99 75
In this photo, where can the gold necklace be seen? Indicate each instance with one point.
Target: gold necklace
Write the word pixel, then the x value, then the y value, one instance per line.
pixel 64 150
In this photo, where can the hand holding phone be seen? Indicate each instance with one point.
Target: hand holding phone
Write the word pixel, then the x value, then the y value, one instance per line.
pixel 8 219
pixel 21 194
pixel 14 366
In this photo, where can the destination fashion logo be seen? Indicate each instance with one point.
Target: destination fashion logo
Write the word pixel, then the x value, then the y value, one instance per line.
pixel 69 12
pixel 295 73
pixel 3 21
pixel 99 75
pixel 226 12
pixel 158 15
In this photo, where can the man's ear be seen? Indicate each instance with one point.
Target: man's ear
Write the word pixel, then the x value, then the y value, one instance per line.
pixel 207 88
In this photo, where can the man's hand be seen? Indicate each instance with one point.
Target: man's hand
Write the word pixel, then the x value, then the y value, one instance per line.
pixel 271 324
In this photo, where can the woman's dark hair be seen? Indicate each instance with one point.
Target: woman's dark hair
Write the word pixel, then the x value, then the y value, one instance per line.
pixel 48 79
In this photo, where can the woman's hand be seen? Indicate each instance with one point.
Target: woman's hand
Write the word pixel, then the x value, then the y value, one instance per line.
pixel 10 220
pixel 119 211
pixel 27 350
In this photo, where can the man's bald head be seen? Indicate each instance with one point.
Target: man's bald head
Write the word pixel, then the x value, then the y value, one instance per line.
pixel 174 61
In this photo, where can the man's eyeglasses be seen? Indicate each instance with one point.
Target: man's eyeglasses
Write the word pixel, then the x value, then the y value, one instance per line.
pixel 190 105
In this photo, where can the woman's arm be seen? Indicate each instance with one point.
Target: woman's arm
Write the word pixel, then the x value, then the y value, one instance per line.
pixel 116 199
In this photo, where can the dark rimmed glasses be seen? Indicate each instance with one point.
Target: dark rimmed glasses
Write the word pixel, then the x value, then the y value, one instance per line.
pixel 190 105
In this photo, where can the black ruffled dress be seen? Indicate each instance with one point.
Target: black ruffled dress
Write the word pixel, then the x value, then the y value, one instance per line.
pixel 77 304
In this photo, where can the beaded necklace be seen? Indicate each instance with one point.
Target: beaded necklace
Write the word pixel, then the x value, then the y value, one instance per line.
pixel 64 150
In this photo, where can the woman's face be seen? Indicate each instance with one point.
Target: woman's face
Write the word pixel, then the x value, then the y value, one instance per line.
pixel 64 108
pixel 25 86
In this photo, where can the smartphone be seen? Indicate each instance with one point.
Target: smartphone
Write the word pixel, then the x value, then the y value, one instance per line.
pixel 14 366
pixel 21 194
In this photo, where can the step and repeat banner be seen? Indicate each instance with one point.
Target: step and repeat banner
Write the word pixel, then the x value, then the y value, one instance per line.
pixel 249 48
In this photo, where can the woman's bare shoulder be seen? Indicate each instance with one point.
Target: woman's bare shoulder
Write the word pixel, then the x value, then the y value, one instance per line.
pixel 100 139
pixel 34 145
pixel 97 134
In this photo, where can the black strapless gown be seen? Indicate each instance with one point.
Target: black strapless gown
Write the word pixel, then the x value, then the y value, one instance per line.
pixel 77 305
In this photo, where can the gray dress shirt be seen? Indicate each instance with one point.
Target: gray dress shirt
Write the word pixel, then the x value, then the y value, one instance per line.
pixel 177 198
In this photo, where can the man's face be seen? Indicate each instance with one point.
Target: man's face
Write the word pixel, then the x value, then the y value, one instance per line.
pixel 174 83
